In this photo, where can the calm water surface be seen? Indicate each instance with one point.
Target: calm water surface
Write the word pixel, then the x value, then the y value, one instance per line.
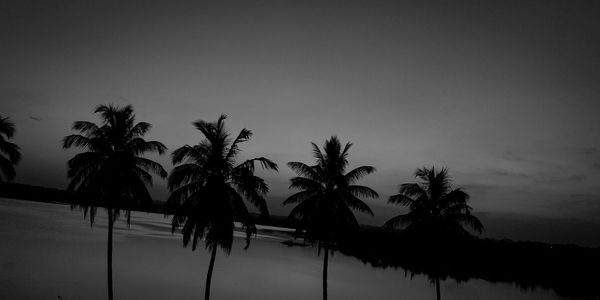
pixel 47 250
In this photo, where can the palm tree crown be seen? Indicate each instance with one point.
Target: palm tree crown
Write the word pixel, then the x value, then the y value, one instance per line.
pixel 327 193
pixel 112 166
pixel 9 152
pixel 433 204
pixel 327 197
pixel 208 187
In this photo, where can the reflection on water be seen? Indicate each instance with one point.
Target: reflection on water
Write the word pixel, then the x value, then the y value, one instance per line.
pixel 47 250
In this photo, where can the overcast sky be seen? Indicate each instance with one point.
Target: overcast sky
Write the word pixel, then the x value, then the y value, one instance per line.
pixel 506 94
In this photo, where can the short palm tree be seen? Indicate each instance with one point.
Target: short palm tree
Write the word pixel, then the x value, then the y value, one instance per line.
pixel 327 197
pixel 435 209
pixel 111 171
pixel 9 152
pixel 208 190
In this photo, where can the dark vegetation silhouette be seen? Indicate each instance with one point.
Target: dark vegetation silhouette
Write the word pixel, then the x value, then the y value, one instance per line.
pixel 111 170
pixel 208 190
pixel 436 212
pixel 569 270
pixel 10 153
pixel 327 197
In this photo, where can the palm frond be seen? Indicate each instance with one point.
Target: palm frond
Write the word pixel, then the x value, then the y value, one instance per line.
pixel 243 136
pixel 7 127
pixel 362 191
pixel 150 166
pixel 355 203
pixel 185 174
pixel 86 127
pixel 455 209
pixel 143 175
pixel 139 146
pixel 305 170
pixel 470 221
pixel 401 199
pixel 182 194
pixel 358 173
pixel 138 130
pixel 7 170
pixel 243 215
pixel 77 140
pixel 317 152
pixel 412 190
pixel 300 196
pixel 400 221
pixel 252 187
pixel 304 208
pixel 187 152
pixel 456 196
pixel 264 163
pixel 85 175
pixel 83 160
pixel 11 150
pixel 213 131
pixel 344 153
pixel 305 183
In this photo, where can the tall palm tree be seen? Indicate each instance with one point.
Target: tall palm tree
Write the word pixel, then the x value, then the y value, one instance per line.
pixel 327 197
pixel 208 190
pixel 435 209
pixel 9 152
pixel 112 171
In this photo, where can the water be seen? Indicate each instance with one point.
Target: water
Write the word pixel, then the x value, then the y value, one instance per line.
pixel 47 250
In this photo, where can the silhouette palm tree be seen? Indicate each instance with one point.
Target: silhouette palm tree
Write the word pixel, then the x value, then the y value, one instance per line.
pixel 435 209
pixel 9 152
pixel 207 190
pixel 327 197
pixel 111 171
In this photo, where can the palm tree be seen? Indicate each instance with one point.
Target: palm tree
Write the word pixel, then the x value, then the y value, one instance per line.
pixel 435 209
pixel 327 197
pixel 111 171
pixel 208 190
pixel 9 152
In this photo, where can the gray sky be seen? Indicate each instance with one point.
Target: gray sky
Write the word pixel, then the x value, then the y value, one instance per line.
pixel 504 93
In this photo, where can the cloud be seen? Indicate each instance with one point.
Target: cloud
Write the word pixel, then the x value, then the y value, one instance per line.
pixel 552 179
pixel 577 177
pixel 591 151
pixel 480 187
pixel 511 156
pixel 510 174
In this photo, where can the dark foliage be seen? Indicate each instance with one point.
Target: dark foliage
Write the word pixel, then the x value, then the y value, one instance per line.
pixel 112 166
pixel 208 188
pixel 10 153
pixel 568 269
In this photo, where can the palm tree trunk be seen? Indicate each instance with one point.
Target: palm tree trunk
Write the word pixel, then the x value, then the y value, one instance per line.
pixel 437 287
pixel 210 270
pixel 109 254
pixel 325 273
